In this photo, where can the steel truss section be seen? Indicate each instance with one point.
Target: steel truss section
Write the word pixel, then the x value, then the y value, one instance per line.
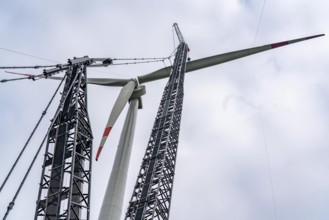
pixel 65 184
pixel 153 190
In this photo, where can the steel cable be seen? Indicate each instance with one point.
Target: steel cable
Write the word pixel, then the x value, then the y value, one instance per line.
pixel 262 123
pixel 12 203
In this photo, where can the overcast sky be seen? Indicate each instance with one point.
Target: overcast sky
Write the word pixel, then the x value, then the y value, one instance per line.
pixel 253 141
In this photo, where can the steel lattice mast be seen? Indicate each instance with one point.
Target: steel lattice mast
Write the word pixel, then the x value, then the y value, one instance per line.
pixel 153 190
pixel 65 183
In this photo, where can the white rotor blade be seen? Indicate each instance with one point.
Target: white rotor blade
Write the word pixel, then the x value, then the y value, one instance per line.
pixel 195 64
pixel 113 199
pixel 107 81
pixel 218 59
pixel 119 104
pixel 101 81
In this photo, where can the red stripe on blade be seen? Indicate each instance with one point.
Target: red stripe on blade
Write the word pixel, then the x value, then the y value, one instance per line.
pixel 280 44
pixel 107 131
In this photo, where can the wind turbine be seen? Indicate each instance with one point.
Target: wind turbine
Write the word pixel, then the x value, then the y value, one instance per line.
pixel 133 90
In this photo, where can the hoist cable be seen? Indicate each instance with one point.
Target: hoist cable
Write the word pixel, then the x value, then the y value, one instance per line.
pixel 262 124
pixel 12 203
pixel 259 22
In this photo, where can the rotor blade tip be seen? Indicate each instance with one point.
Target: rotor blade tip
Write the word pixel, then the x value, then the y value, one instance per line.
pixel 314 36
pixel 99 152
pixel 283 43
pixel 105 135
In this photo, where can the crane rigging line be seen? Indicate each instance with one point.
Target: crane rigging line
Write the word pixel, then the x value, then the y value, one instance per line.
pixel 62 101
pixel 16 79
pixel 36 77
pixel 266 148
pixel 27 67
pixel 29 55
pixel 21 74
pixel 32 77
pixel 31 135
pixel 259 22
pixel 262 124
pixel 159 58
pixel 140 62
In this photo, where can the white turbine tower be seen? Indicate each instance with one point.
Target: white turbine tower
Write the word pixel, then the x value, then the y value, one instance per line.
pixel 132 90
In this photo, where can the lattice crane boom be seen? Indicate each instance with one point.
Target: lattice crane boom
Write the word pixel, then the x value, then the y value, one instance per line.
pixel 66 177
pixel 153 190
pixel 65 185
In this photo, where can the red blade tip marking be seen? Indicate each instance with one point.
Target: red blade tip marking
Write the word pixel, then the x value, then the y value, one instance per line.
pixel 99 152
